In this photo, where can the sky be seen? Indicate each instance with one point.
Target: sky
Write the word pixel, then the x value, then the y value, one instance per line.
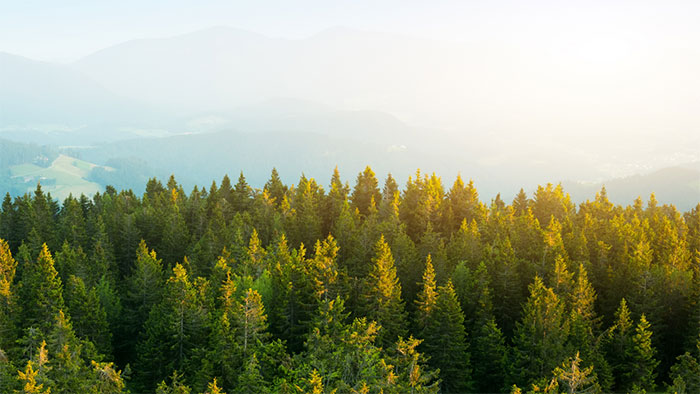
pixel 64 31
pixel 616 74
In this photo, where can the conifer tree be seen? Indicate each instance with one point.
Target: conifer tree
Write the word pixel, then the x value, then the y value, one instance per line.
pixel 176 385
pixel 540 336
pixel 426 300
pixel 8 301
pixel 685 373
pixel 642 374
pixel 487 344
pixel 89 318
pixel 446 342
pixel 410 369
pixel 325 269
pixel 294 296
pixel 251 381
pixel 174 330
pixel 106 379
pixel 384 303
pixel 275 188
pixel 253 263
pixel 520 203
pixel 585 328
pixel 69 371
pixel 366 190
pixel 242 195
pixel 251 322
pixel 337 197
pixel 506 283
pixel 224 353
pixel 618 344
pixel 143 292
pixel 41 291
pixel 465 245
pixel 488 356
pixel 390 189
pixel 574 379
pixel 28 379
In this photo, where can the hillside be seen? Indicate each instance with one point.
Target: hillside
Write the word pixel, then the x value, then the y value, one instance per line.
pixel 677 185
pixel 64 176
pixel 55 104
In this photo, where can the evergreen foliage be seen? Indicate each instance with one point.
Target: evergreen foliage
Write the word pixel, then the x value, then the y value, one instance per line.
pixel 289 289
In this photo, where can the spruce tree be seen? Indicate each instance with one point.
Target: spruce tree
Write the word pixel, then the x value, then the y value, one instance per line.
pixel 446 342
pixel 366 190
pixel 8 297
pixel 426 300
pixel 275 188
pixel 175 328
pixel 539 343
pixel 384 303
pixel 642 374
pixel 143 292
pixel 88 315
pixel 41 291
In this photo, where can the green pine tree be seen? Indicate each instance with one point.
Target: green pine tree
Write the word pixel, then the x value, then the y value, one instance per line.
pixel 384 303
pixel 445 342
pixel 41 291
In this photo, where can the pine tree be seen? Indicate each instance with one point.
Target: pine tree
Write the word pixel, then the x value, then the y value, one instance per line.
pixel 642 375
pixel 69 372
pixel 294 296
pixel 8 302
pixel 446 342
pixel 344 357
pixel 426 300
pixel 174 330
pixel 250 381
pixel 242 195
pixel 254 260
pixel 224 353
pixel 89 318
pixel 333 206
pixel 143 292
pixel 176 385
pixel 275 188
pixel 28 378
pixel 251 322
pixel 585 328
pixel 574 379
pixel 41 291
pixel 488 356
pixel 618 344
pixel 106 379
pixel 520 203
pixel 540 336
pixel 366 190
pixel 324 267
pixel 685 373
pixel 384 303
pixel 410 369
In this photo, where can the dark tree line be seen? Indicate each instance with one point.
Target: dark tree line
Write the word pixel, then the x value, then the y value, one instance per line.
pixel 299 289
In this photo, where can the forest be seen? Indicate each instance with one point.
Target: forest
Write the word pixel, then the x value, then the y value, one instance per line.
pixel 369 288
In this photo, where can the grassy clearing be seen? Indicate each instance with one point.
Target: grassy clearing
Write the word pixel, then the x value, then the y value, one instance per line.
pixel 65 176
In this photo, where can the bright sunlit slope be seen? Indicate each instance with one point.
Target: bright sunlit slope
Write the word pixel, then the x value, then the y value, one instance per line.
pixel 66 175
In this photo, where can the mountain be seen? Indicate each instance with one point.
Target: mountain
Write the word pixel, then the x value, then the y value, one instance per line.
pixel 674 185
pixel 51 103
pixel 226 67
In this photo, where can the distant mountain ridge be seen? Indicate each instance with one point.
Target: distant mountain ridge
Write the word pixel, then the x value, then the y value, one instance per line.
pixel 40 100
pixel 677 185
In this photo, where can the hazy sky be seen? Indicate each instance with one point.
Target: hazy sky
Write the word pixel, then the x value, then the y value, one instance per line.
pixel 613 76
pixel 601 30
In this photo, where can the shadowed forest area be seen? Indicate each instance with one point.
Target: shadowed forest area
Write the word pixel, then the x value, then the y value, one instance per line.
pixel 420 288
